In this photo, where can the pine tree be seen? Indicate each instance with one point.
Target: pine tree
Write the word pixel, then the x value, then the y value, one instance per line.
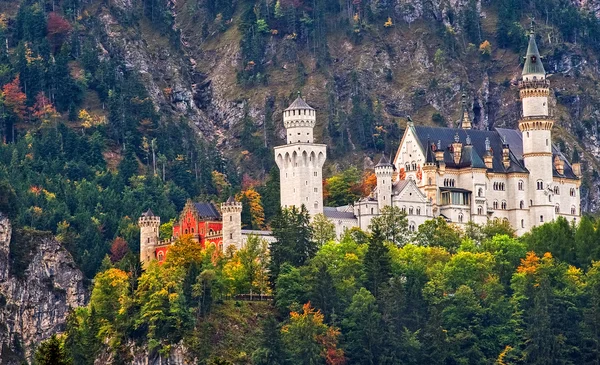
pixel 377 263
pixel 52 352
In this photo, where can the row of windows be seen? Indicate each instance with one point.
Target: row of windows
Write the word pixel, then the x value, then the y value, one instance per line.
pixel 449 183
pixel 411 167
pixel 411 210
pixel 499 186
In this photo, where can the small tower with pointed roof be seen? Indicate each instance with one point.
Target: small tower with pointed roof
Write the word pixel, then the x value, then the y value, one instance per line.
pixel 149 232
pixel 536 129
pixel 231 211
pixel 301 160
pixel 465 122
pixel 384 171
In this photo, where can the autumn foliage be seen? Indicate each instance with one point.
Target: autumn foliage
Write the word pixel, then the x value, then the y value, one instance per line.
pixel 14 98
pixel 58 29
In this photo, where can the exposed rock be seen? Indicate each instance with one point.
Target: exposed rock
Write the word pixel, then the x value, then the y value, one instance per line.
pixel 140 356
pixel 34 308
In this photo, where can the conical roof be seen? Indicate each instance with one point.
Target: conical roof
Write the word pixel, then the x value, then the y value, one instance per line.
pixel 299 103
pixel 231 199
pixel 533 61
pixel 383 161
pixel 148 213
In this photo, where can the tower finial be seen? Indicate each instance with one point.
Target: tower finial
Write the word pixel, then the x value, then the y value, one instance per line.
pixel 299 94
pixel 456 138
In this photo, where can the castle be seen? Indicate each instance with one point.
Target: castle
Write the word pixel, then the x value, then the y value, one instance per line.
pixel 460 174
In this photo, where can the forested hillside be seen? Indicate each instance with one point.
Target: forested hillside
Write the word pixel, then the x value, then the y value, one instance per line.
pixel 438 296
pixel 113 108
pixel 109 108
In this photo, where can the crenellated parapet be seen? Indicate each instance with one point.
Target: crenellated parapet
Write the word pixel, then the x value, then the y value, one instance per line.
pixel 535 124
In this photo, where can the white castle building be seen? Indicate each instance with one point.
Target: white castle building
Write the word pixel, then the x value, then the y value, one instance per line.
pixel 461 174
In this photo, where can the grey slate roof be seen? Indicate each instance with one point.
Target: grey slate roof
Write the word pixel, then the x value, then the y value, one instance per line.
pixel 207 211
pixel 533 61
pixel 472 155
pixel 231 199
pixel 299 103
pixel 148 213
pixel 383 161
pixel 335 213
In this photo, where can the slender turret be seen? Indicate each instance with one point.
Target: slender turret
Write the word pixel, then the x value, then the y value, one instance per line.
pixel 149 233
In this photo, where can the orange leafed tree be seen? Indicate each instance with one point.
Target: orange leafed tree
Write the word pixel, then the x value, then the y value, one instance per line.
pixel 369 182
pixel 257 212
pixel 14 98
pixel 43 109
pixel 118 249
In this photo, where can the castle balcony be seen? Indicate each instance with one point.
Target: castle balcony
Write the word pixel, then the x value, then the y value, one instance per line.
pixel 534 84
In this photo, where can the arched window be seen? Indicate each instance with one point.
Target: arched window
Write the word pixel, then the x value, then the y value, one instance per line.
pixel 495 205
pixel 186 231
pixel 480 210
pixel 520 185
pixel 573 210
pixel 556 190
pixel 460 217
pixel 231 236
pixel 429 181
pixel 522 223
pixel 504 204
pixel 418 210
pixel 521 205
pixel 541 219
pixel 192 230
pixel 557 208
pixel 540 185
pixel 411 211
pixel 231 218
pixel 480 192
pixel 572 192
pixel 160 256
pixel 404 209
pixel 371 210
pixel 316 205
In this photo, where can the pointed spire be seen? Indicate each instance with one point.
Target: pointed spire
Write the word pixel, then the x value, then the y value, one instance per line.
pixel 488 146
pixel 456 138
pixel 465 122
pixel 533 61
pixel 468 141
pixel 439 144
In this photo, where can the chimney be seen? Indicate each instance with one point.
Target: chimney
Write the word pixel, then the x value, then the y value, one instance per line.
pixel 559 165
pixel 488 158
pixel 457 149
pixel 505 154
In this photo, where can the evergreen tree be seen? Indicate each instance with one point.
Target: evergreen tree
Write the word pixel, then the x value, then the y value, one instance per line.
pixel 51 352
pixel 377 263
pixel 271 350
pixel 294 244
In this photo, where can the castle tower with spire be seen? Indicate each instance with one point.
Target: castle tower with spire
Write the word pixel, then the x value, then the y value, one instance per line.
pixel 149 232
pixel 231 212
pixel 384 171
pixel 301 161
pixel 536 128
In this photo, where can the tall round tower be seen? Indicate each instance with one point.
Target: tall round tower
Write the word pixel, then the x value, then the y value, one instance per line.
pixel 231 211
pixel 301 161
pixel 384 171
pixel 149 232
pixel 536 129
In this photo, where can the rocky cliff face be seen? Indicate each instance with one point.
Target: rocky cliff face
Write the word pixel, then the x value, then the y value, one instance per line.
pixel 193 75
pixel 36 306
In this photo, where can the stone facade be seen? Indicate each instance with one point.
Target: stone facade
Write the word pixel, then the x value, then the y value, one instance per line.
pixel 467 175
pixel 301 161
pixel 232 224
